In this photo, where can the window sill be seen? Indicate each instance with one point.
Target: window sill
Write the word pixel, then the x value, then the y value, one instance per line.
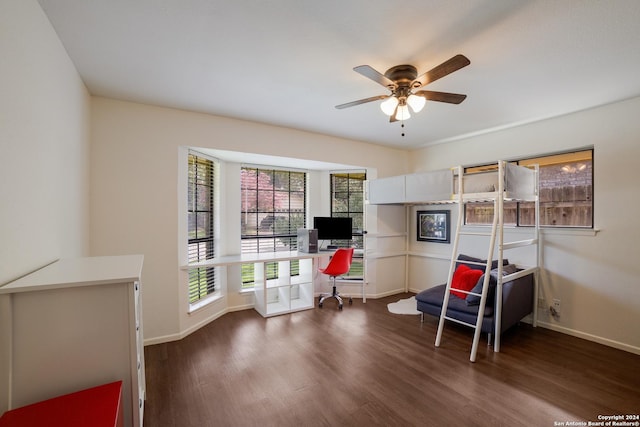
pixel 566 231
pixel 204 302
pixel 246 290
pixel 570 231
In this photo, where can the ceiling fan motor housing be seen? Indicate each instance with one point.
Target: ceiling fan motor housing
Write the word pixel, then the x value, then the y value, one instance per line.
pixel 402 75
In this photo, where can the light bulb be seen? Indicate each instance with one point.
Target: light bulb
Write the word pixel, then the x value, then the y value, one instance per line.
pixel 403 113
pixel 388 106
pixel 416 102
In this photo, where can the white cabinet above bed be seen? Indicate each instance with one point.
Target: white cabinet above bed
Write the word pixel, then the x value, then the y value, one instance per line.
pixel 386 190
pixel 411 188
pixel 429 186
pixel 512 183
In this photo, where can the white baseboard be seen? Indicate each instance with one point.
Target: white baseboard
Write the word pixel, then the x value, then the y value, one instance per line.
pixel 162 339
pixel 578 334
pixel 358 295
pixel 240 307
pixel 176 337
pixel 546 325
pixel 387 293
pixel 186 332
pixel 192 329
pixel 590 337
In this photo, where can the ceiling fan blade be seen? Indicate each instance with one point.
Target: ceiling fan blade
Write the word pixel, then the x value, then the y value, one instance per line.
pixel 374 75
pixel 361 101
pixel 447 67
pixel 451 98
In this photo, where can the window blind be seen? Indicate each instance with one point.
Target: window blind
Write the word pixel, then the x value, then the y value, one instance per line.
pixel 273 208
pixel 347 200
pixel 201 185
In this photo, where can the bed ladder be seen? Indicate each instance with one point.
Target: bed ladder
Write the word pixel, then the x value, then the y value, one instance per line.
pixel 496 229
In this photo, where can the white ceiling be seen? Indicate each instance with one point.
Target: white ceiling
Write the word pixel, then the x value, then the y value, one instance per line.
pixel 289 62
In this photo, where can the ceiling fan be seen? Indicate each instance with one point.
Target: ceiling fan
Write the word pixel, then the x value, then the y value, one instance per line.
pixel 403 82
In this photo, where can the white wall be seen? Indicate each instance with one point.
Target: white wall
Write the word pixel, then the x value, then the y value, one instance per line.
pixel 595 275
pixel 44 145
pixel 44 151
pixel 134 193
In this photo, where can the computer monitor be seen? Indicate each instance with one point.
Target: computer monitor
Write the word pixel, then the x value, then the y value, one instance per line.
pixel 333 228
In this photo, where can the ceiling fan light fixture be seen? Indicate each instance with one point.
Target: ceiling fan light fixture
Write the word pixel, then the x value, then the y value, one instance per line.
pixel 388 106
pixel 401 80
pixel 403 113
pixel 416 102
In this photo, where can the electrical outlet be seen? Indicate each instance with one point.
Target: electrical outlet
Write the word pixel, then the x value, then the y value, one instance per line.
pixel 556 306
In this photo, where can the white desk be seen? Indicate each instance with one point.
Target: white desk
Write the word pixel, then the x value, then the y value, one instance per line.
pixel 257 257
pixel 285 294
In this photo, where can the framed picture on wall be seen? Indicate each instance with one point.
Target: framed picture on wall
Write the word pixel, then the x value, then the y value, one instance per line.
pixel 434 226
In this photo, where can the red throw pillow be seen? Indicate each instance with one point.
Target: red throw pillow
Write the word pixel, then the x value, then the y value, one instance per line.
pixel 464 278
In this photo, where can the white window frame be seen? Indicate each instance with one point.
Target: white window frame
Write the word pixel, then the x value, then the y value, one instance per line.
pixel 183 229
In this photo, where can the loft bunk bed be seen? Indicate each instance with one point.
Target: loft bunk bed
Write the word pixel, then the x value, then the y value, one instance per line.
pixel 507 182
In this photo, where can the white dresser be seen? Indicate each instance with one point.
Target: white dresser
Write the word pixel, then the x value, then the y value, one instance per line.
pixel 72 325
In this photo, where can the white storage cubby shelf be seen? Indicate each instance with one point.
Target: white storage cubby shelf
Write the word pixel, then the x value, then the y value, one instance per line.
pixel 287 293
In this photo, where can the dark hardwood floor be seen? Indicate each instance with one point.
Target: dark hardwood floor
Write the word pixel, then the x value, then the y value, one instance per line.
pixel 364 366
